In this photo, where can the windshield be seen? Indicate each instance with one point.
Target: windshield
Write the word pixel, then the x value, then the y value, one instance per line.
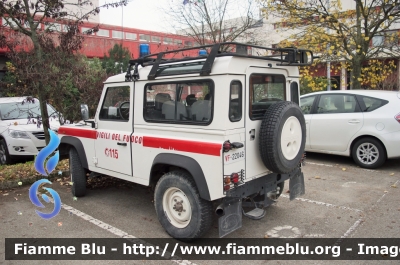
pixel 19 110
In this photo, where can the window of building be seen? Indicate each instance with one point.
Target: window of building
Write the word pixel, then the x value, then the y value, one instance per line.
pixel 168 41
pixel 131 36
pixel 144 37
pixel 378 41
pixel 87 31
pixel 155 39
pixel 188 43
pixel 179 102
pixel 265 90
pixel 9 23
pixel 116 104
pixel 103 33
pixel 116 34
pixel 53 27
pixel 235 101
pixel 178 42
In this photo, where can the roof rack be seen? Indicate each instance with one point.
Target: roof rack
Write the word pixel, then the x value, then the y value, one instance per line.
pixel 284 57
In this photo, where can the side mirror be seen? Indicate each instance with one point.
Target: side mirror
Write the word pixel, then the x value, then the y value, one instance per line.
pixel 84 111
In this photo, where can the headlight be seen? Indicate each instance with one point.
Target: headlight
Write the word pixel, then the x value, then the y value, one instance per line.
pixel 19 134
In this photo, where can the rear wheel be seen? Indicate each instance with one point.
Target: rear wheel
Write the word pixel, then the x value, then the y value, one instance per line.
pixel 369 153
pixel 180 209
pixel 78 174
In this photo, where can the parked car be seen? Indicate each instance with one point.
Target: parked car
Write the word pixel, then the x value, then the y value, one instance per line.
pixel 364 124
pixel 21 134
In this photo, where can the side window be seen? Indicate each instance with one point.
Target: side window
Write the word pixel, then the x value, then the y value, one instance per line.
pixel 179 102
pixel 306 104
pixel 116 104
pixel 294 92
pixel 235 101
pixel 332 103
pixel 265 90
pixel 371 104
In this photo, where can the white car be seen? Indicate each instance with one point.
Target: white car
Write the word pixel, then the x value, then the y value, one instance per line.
pixel 364 124
pixel 20 134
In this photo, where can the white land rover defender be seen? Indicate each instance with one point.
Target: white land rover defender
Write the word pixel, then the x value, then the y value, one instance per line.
pixel 214 134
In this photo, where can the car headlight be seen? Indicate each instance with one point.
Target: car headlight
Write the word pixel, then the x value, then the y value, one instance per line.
pixel 19 134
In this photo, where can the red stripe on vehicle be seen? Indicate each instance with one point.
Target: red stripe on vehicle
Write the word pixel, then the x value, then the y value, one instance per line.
pixel 183 145
pixel 85 133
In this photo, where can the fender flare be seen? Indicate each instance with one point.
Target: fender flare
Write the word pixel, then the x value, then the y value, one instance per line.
pixel 77 144
pixel 190 165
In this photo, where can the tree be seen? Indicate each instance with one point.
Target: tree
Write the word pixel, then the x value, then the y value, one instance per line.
pixel 40 63
pixel 208 21
pixel 353 36
pixel 117 60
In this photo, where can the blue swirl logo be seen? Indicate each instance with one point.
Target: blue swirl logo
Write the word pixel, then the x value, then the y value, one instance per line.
pixel 46 152
pixel 35 200
pixel 50 166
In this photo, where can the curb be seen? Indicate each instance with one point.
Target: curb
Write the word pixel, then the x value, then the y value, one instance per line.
pixel 14 183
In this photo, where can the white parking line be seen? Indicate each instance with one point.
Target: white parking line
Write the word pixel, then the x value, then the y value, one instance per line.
pixel 323 203
pixel 318 164
pixel 167 255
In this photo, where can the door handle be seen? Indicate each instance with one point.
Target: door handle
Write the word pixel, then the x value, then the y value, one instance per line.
pixel 123 144
pixel 354 121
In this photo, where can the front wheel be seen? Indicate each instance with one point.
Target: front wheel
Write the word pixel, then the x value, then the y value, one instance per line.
pixel 368 153
pixel 180 209
pixel 5 158
pixel 78 174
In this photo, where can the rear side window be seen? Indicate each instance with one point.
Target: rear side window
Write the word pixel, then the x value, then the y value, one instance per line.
pixel 294 92
pixel 369 104
pixel 265 90
pixel 179 102
pixel 235 101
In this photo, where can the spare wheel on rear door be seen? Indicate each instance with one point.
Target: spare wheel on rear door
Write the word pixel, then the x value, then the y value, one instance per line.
pixel 282 137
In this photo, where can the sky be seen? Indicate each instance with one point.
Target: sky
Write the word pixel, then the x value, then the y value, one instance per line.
pixel 141 14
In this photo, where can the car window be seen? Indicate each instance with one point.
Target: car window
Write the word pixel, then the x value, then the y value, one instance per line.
pixel 265 90
pixel 337 104
pixel 235 101
pixel 306 104
pixel 372 103
pixel 179 102
pixel 116 104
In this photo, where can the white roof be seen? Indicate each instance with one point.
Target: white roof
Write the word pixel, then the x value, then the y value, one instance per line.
pixel 371 93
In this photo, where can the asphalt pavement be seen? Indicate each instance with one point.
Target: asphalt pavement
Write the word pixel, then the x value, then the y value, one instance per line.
pixel 341 200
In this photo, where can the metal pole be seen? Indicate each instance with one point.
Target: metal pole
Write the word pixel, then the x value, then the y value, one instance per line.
pixel 328 62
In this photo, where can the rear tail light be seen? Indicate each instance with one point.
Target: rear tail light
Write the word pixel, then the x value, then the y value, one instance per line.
pixel 397 117
pixel 235 178
pixel 227 146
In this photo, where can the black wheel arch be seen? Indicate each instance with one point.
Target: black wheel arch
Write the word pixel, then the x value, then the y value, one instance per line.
pixel 164 161
pixel 66 143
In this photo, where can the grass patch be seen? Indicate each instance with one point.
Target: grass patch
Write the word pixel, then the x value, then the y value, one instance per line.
pixel 25 171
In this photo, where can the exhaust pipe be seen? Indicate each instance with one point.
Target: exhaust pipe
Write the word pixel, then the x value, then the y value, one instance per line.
pixel 220 210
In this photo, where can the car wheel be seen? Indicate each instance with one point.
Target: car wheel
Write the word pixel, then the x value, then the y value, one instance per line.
pixel 282 137
pixel 5 158
pixel 180 209
pixel 369 153
pixel 78 174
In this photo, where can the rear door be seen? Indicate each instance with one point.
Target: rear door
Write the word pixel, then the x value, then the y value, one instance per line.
pixel 336 120
pixel 264 90
pixel 115 126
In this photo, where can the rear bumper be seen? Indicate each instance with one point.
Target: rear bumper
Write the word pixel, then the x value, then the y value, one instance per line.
pixel 392 144
pixel 262 184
